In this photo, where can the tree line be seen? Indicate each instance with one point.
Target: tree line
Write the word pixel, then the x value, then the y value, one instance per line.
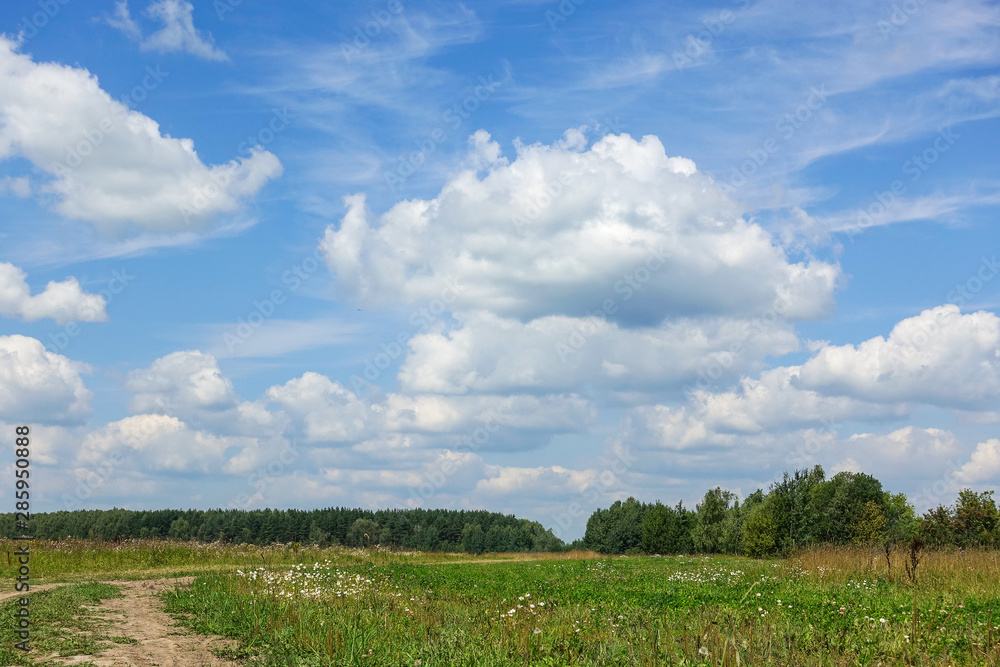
pixel 423 529
pixel 803 509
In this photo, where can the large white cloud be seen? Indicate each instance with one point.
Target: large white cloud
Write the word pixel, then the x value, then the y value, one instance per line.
pixel 40 386
pixel 940 357
pixel 984 465
pixel 539 482
pixel 326 411
pixel 792 416
pixel 62 301
pixel 181 381
pixel 774 401
pixel 110 165
pixel 160 443
pixel 560 232
pixel 493 354
pixel 463 414
pixel 190 386
pixel 906 452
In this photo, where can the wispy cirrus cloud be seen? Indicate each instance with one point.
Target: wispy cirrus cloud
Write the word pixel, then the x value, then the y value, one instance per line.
pixel 177 34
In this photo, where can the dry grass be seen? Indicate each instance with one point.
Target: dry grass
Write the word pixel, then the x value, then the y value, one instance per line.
pixel 941 569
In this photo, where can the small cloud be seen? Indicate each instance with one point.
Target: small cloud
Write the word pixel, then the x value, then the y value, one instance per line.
pixel 847 465
pixel 178 33
pixel 122 20
pixel 19 187
pixel 63 301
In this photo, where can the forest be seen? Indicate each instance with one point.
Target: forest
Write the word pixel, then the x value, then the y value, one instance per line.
pixel 422 529
pixel 801 510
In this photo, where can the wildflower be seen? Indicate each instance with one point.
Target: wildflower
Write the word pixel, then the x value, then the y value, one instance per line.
pixel 703 651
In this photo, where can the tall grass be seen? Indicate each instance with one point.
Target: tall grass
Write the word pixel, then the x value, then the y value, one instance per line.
pixel 75 559
pixel 943 570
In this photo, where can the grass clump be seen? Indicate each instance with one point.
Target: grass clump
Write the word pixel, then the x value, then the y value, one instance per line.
pixel 63 623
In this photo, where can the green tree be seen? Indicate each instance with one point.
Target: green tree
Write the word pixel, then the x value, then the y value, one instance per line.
pixel 363 533
pixel 936 528
pixel 180 529
pixel 709 517
pixel 625 529
pixel 902 519
pixel 317 535
pixel 657 529
pixel 871 528
pixel 473 538
pixel 975 518
pixel 835 506
pixel 760 530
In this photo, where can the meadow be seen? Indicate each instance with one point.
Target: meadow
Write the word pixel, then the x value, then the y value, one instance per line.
pixel 291 605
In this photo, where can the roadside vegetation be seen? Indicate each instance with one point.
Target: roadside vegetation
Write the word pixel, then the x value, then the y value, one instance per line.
pixel 65 624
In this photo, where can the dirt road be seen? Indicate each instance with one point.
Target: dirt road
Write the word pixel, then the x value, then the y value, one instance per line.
pixel 139 615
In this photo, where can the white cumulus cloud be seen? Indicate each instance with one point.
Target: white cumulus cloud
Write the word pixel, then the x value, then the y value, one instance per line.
pixel 558 232
pixel 110 165
pixel 190 386
pixel 489 353
pixel 984 465
pixel 40 386
pixel 160 443
pixel 62 301
pixel 940 357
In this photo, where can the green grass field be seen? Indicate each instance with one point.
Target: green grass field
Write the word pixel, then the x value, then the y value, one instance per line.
pixel 297 606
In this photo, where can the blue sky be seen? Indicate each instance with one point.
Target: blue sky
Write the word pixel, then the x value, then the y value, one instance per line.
pixel 525 256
